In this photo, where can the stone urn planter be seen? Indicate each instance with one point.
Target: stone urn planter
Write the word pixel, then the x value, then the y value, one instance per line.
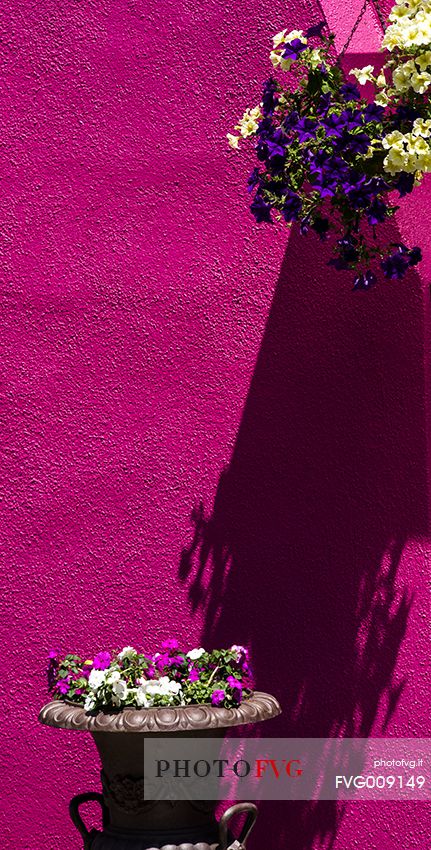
pixel 130 822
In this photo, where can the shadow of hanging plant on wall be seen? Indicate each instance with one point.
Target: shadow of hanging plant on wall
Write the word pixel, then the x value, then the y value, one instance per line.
pixel 299 556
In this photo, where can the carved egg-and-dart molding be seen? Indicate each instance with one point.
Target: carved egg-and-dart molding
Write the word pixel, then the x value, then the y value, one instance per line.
pixel 63 715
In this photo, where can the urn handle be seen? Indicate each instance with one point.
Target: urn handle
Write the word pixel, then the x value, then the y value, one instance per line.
pixel 75 803
pixel 240 842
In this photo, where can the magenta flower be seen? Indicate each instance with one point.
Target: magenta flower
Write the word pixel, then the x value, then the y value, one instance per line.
pixel 53 654
pixel 63 685
pixel 102 661
pixel 176 661
pixel 161 660
pixel 217 697
pixel 193 675
pixel 171 643
pixel 236 688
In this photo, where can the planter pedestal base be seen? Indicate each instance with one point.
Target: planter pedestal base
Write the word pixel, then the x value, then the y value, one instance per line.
pixel 211 836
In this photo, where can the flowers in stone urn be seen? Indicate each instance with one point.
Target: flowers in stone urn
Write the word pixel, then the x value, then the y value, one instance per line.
pixel 332 151
pixel 130 678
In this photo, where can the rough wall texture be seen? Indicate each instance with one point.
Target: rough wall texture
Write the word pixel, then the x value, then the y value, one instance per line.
pixel 158 350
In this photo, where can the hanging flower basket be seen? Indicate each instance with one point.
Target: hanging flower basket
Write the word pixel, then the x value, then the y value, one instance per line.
pixel 334 160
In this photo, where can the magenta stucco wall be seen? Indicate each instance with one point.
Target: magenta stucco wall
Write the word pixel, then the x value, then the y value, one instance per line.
pixel 161 353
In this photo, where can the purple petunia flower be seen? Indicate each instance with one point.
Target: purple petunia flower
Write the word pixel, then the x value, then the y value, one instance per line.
pixel 293 49
pixel 350 91
pixel 253 180
pixel 102 660
pixel 347 249
pixel 63 685
pixel 269 97
pixel 376 212
pixel 357 143
pixel 306 129
pixel 169 644
pixel 358 193
pixel 405 183
pixel 291 121
pixel 277 144
pixel 396 265
pixel 291 207
pixel 405 113
pixel 217 697
pixel 260 209
pixel 334 124
pixel 373 112
pixel 365 281
pixel 265 128
pixel 324 103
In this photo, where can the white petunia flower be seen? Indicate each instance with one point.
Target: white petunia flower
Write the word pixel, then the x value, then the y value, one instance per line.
pixel 96 679
pixel 393 139
pixel 423 61
pixel 381 98
pixel 112 677
pixel 279 38
pixel 194 654
pixel 278 62
pixel 363 75
pixel 142 697
pixel 294 34
pixel 127 652
pixel 422 127
pixel 249 122
pixel 89 703
pixel 233 141
pixel 120 689
pixel 420 82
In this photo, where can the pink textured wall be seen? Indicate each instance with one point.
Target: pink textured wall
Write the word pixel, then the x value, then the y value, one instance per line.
pixel 160 350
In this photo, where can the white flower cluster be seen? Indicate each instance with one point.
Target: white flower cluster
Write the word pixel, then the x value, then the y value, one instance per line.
pixel 110 682
pixel 195 654
pixel 150 688
pixel 413 74
pixel 410 25
pixel 144 695
pixel 127 652
pixel 408 152
pixel 247 126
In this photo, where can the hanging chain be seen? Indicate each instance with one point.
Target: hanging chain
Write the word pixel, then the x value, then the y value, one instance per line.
pixel 362 11
pixel 380 14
